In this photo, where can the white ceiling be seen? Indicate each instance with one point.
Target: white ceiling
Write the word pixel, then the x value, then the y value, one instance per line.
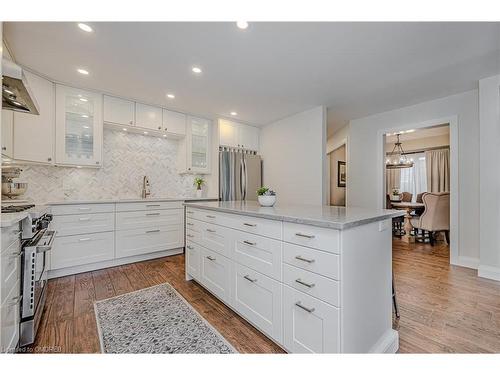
pixel 434 131
pixel 270 70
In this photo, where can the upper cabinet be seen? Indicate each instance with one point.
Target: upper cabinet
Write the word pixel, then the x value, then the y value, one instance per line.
pixel 238 135
pixel 197 146
pixel 174 122
pixel 7 133
pixel 147 116
pixel 78 127
pixel 119 111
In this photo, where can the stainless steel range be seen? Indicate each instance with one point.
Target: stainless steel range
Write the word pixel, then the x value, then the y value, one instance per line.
pixel 37 239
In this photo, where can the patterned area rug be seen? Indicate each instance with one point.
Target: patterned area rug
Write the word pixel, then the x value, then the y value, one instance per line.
pixel 155 320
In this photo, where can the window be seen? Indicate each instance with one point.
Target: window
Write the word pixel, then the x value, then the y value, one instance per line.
pixel 414 179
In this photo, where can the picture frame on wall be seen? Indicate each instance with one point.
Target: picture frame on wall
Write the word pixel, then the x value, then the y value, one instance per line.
pixel 341 174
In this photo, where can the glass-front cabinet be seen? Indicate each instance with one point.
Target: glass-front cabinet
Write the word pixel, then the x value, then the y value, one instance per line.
pixel 78 127
pixel 198 145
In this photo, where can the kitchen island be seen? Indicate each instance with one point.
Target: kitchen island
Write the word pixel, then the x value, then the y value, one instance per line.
pixel 314 279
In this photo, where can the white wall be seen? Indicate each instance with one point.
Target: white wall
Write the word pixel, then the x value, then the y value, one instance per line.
pixel 364 178
pixel 337 139
pixel 489 156
pixel 293 151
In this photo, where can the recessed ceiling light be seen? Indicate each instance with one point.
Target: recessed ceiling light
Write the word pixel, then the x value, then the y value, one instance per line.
pixel 234 114
pixel 86 127
pixel 83 99
pixel 164 135
pixel 85 116
pixel 196 70
pixel 124 129
pixel 145 132
pixel 85 27
pixel 242 24
pixel 83 71
pixel 171 96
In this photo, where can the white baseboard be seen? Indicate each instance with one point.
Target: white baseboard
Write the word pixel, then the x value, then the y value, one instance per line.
pixel 489 272
pixel 388 343
pixel 112 263
pixel 468 262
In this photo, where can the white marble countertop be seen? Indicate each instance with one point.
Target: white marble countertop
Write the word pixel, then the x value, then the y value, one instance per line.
pixel 321 216
pixel 129 200
pixel 10 219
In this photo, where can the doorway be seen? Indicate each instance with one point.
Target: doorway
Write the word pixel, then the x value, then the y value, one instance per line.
pixel 338 176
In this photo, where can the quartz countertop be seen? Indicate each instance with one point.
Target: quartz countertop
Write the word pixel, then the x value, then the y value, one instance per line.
pixel 129 200
pixel 334 217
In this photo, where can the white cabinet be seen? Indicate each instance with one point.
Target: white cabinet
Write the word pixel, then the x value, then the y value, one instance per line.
pixel 215 274
pixel 193 259
pixel 238 135
pixel 34 134
pixel 174 122
pixel 78 127
pixel 195 150
pixel 147 116
pixel 7 133
pixel 118 111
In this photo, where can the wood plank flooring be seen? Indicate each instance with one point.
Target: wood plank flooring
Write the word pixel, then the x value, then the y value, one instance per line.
pixel 443 308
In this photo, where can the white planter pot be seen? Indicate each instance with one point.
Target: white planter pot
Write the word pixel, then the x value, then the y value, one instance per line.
pixel 199 193
pixel 395 197
pixel 267 200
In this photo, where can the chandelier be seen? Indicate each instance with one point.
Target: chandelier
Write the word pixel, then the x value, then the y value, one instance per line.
pixel 397 158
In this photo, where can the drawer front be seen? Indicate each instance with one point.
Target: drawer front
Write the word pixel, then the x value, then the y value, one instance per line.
pixel 10 235
pixel 313 284
pixel 311 236
pixel 216 274
pixel 142 241
pixel 261 254
pixel 208 216
pixel 216 238
pixel 144 219
pixel 74 209
pixel 259 299
pixel 194 225
pixel 309 325
pixel 72 251
pixel 9 316
pixel 69 225
pixel 317 261
pixel 148 206
pixel 10 269
pixel 193 259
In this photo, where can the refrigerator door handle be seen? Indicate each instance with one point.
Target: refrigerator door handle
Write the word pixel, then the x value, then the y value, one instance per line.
pixel 241 179
pixel 246 178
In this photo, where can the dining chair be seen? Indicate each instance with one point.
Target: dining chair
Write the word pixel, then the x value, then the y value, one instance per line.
pixel 436 215
pixel 397 222
pixel 406 196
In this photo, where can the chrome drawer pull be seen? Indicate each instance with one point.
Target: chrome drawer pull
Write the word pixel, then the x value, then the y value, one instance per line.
pixel 305 235
pixel 153 231
pixel 299 257
pixel 153 205
pixel 211 258
pixel 84 208
pixel 15 300
pixel 211 216
pixel 84 219
pixel 84 239
pixel 304 283
pixel 153 214
pixel 250 225
pixel 189 235
pixel 190 212
pixel 189 224
pixel 211 230
pixel 249 278
pixel 308 309
pixel 189 247
pixel 250 243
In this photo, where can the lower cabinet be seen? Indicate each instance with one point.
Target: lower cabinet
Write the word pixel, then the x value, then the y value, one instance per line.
pixel 258 298
pixel 193 259
pixel 10 318
pixel 309 325
pixel 215 274
pixel 82 249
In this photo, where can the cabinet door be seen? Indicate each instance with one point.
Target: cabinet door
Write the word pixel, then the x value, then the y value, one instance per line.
pixel 174 122
pixel 198 150
pixel 119 111
pixel 228 133
pixel 215 274
pixel 148 117
pixel 248 137
pixel 193 257
pixel 78 127
pixel 34 135
pixel 309 325
pixel 7 133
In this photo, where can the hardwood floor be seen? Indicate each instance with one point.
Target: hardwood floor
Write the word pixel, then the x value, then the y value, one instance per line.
pixel 443 308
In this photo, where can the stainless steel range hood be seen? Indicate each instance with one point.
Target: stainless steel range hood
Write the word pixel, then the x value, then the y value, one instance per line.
pixel 16 93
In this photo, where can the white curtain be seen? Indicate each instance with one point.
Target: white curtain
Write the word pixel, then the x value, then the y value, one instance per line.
pixel 414 179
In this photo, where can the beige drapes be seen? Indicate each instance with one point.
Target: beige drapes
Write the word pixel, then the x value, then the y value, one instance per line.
pixel 438 170
pixel 392 179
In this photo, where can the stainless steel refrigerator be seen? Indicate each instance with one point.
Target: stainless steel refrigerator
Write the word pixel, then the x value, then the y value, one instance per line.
pixel 240 175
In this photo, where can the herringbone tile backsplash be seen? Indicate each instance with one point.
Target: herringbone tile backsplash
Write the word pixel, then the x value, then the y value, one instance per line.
pixel 126 159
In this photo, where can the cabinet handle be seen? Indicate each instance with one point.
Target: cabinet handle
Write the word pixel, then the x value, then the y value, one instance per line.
pixel 131 122
pixel 49 159
pixel 190 212
pixel 159 127
pixel 153 231
pixel 250 243
pixel 189 235
pixel 211 216
pixel 189 247
pixel 250 225
pixel 84 219
pixel 84 239
pixel 299 257
pixel 84 208
pixel 4 148
pixel 153 214
pixel 153 205
pixel 249 278
pixel 165 129
pixel 305 235
pixel 304 283
pixel 211 230
pixel 211 258
pixel 97 162
pixel 189 224
pixel 14 301
pixel 308 309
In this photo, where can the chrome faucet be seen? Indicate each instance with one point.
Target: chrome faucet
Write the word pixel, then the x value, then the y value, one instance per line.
pixel 146 188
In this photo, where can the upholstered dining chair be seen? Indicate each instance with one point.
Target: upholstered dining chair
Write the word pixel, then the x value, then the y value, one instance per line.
pixel 436 215
pixel 419 211
pixel 406 196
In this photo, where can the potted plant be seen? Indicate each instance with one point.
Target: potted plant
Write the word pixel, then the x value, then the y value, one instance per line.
pixel 266 196
pixel 199 182
pixel 395 194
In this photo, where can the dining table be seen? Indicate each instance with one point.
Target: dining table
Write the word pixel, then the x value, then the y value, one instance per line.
pixel 409 207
